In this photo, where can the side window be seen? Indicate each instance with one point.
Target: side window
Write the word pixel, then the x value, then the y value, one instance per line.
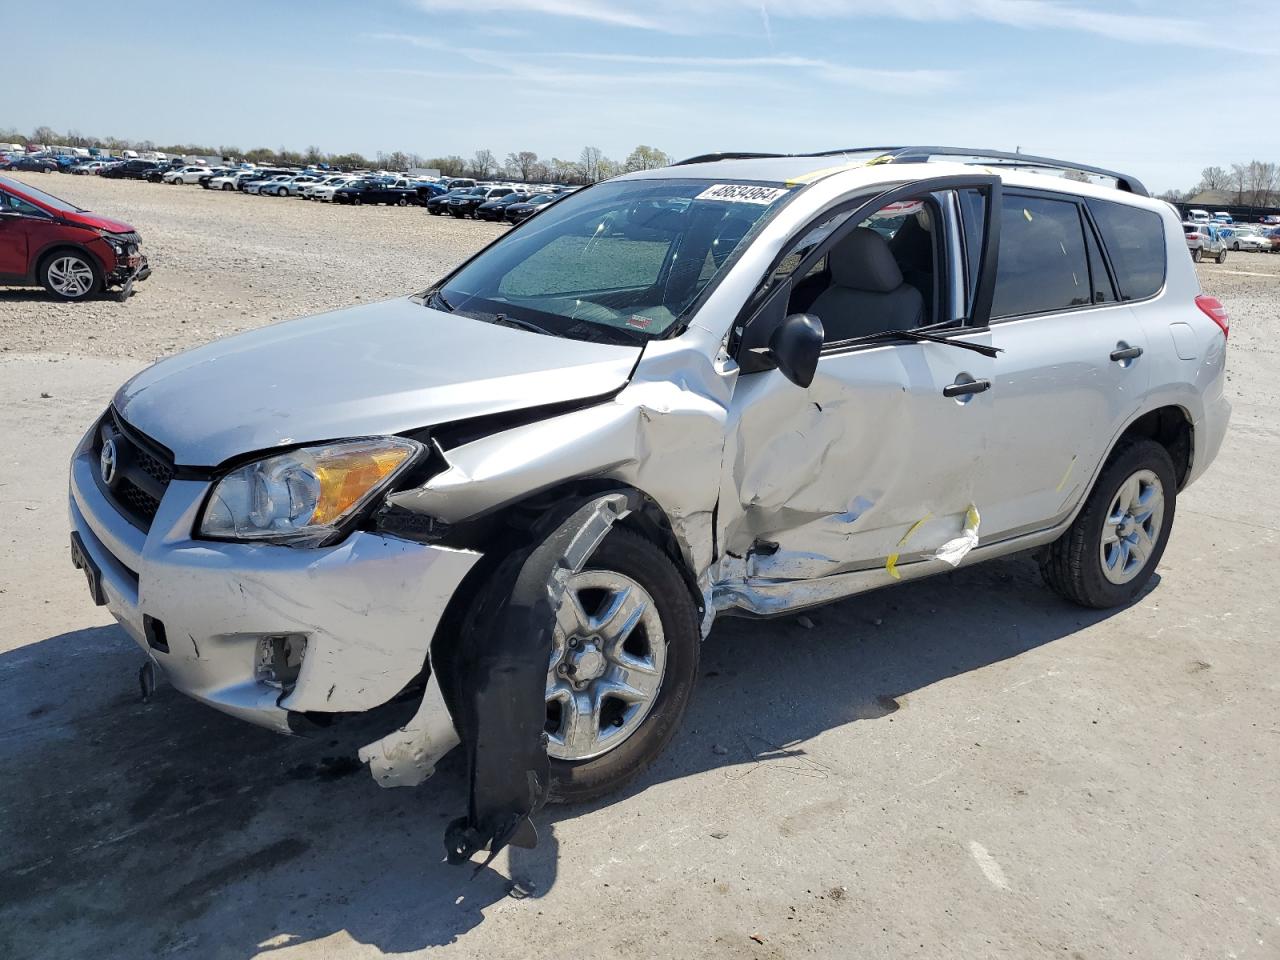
pixel 1043 263
pixel 14 204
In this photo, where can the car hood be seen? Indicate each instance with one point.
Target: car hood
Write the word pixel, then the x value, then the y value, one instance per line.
pixel 379 369
pixel 96 222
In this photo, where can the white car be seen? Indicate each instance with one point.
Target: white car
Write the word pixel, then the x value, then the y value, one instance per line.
pixel 228 181
pixel 325 191
pixel 263 187
pixel 190 174
pixel 308 190
pixel 1248 239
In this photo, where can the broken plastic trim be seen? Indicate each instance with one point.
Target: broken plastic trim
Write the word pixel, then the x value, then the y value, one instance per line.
pixel 497 676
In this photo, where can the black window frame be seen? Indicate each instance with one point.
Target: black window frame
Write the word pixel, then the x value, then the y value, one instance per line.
pixel 766 305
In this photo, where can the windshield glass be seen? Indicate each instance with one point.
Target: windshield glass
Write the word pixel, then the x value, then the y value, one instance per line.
pixel 627 256
pixel 47 199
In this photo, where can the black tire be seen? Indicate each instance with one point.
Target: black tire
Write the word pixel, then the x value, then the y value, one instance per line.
pixel 227 186
pixel 1236 246
pixel 1222 255
pixel 85 258
pixel 356 201
pixel 1071 565
pixel 402 202
pixel 634 556
pixel 1197 255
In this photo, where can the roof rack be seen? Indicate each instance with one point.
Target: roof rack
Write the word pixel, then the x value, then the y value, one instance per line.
pixel 713 157
pixel 996 158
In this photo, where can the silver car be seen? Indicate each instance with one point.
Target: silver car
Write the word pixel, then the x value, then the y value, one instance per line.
pixel 505 511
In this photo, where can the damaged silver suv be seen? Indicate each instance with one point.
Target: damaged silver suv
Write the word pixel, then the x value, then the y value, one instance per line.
pixel 505 512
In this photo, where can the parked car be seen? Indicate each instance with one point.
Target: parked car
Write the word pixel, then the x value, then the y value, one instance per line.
pixel 693 391
pixel 496 208
pixel 439 205
pixel 358 192
pixel 1247 238
pixel 265 184
pixel 128 170
pixel 69 251
pixel 307 191
pixel 1271 218
pixel 90 168
pixel 519 212
pixel 466 204
pixel 1273 235
pixel 1205 240
pixel 35 164
pixel 1221 216
pixel 324 191
pixel 1198 216
pixel 187 174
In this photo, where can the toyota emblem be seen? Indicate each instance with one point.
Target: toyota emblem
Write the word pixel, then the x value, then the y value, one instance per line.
pixel 107 461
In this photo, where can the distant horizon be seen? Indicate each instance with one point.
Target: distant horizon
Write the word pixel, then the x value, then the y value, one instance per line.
pixel 1105 84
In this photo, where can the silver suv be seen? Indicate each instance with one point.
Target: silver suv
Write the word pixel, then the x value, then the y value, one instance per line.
pixel 1205 240
pixel 505 512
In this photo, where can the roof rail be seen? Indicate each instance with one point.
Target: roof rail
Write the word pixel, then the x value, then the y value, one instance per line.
pixel 997 158
pixel 713 157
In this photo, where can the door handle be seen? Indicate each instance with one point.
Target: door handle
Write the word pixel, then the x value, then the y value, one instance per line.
pixel 1126 353
pixel 962 389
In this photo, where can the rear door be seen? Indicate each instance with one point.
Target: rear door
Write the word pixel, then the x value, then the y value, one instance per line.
pixel 1071 371
pixel 18 220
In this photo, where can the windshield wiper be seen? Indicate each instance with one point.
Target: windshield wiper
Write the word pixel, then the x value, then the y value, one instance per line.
pixel 981 348
pixel 437 299
pixel 509 321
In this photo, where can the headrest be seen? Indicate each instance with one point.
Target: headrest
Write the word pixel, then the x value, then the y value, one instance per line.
pixel 863 261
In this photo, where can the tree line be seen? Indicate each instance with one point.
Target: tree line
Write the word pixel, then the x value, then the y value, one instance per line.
pixel 1254 184
pixel 525 165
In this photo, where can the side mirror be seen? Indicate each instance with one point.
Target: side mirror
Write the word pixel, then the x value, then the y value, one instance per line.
pixel 795 346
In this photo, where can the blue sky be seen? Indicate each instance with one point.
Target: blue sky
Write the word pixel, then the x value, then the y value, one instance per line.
pixel 1158 88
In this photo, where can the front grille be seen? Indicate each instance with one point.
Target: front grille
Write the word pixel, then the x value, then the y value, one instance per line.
pixel 142 470
pixel 130 237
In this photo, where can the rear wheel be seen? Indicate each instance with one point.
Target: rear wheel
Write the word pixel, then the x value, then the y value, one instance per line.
pixel 402 202
pixel 1197 255
pixel 356 201
pixel 1222 255
pixel 70 275
pixel 1107 555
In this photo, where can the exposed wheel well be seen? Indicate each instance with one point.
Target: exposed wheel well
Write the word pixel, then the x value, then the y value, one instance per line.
pixel 1171 428
pixel 513 526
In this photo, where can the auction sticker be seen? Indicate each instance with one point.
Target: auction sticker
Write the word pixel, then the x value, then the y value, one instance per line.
pixel 742 193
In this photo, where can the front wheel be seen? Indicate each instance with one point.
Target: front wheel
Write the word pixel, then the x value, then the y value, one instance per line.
pixel 1107 555
pixel 402 202
pixel 1222 255
pixel 69 275
pixel 227 186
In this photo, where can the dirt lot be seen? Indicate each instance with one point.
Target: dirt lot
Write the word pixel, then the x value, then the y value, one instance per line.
pixel 963 767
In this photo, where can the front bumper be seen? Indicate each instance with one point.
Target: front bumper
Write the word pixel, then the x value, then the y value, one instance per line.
pixel 367 607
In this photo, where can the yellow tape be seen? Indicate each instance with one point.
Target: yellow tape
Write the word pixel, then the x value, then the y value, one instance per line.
pixel 828 171
pixel 1066 476
pixel 892 563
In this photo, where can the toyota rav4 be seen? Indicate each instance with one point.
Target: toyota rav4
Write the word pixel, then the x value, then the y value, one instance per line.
pixel 512 505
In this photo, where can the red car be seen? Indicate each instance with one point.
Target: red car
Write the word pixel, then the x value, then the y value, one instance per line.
pixel 71 252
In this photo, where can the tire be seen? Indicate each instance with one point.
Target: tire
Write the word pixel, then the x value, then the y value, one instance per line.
pixel 227 186
pixel 1222 255
pixel 1236 246
pixel 637 558
pixel 1073 565
pixel 356 201
pixel 1197 255
pixel 402 202
pixel 70 275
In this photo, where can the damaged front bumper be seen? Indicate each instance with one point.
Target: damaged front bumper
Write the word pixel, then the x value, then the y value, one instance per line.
pixel 270 633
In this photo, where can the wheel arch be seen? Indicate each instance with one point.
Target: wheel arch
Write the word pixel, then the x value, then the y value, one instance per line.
pixel 1170 426
pixel 65 246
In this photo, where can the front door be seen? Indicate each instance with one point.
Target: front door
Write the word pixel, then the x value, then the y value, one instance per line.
pixel 877 464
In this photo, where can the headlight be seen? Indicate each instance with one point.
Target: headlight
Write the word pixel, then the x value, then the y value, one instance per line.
pixel 302 496
pixel 116 244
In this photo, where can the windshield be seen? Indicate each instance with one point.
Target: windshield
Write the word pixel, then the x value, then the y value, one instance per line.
pixel 47 199
pixel 621 260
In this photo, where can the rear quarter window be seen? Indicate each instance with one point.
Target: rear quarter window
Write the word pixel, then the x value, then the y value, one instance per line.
pixel 1134 240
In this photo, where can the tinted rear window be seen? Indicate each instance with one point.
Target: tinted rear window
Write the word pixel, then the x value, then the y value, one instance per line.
pixel 1043 264
pixel 1135 241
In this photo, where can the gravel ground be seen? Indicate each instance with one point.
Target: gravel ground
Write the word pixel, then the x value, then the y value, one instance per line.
pixel 963 767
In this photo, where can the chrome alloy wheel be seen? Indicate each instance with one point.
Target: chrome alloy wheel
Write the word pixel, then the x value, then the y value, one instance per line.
pixel 70 276
pixel 606 667
pixel 1132 527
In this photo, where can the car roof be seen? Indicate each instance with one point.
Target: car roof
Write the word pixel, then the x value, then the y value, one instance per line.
pixel 855 170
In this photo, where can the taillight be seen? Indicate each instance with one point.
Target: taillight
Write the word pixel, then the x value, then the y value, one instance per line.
pixel 1215 311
